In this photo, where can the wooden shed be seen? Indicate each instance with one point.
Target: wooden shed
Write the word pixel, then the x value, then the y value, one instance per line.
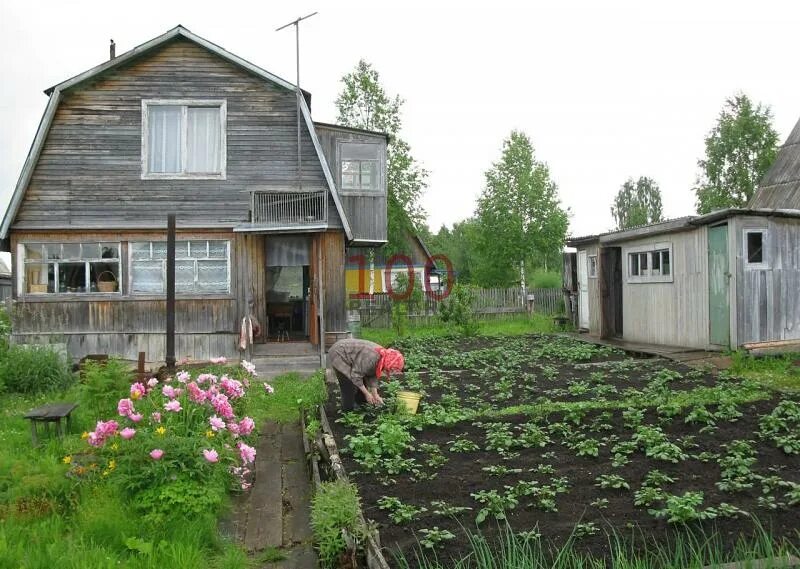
pixel 266 203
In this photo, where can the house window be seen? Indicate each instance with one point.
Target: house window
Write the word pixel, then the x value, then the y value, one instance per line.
pixel 70 268
pixel 754 245
pixel 650 263
pixel 183 139
pixel 592 266
pixel 360 166
pixel 201 267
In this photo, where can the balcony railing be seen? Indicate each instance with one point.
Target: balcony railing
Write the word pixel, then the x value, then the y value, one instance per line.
pixel 289 209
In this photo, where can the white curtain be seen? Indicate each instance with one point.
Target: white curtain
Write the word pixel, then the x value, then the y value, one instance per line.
pixel 164 138
pixel 203 148
pixel 288 251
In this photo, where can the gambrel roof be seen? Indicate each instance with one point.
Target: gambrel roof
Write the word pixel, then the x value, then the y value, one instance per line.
pixel 177 32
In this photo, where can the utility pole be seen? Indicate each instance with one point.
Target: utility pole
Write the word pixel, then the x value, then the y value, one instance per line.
pixel 296 24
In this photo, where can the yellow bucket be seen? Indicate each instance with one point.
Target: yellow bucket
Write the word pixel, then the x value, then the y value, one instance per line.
pixel 409 400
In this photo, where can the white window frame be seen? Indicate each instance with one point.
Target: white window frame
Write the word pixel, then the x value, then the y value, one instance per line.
pixel 649 275
pixel 22 272
pixel 592 274
pixel 380 161
pixel 185 104
pixel 194 293
pixel 764 264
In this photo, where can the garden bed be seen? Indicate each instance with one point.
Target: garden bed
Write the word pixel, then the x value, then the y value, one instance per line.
pixel 563 438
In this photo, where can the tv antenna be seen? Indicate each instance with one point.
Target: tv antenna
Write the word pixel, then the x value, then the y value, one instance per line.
pixel 296 24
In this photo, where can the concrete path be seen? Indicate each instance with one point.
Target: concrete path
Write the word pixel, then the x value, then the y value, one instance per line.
pixel 273 519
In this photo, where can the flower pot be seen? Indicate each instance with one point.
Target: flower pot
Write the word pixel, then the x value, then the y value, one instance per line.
pixel 409 400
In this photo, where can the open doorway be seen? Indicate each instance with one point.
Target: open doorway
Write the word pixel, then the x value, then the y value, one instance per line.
pixel 288 285
pixel 611 292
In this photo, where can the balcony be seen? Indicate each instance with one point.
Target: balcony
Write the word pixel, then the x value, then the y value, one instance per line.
pixel 288 209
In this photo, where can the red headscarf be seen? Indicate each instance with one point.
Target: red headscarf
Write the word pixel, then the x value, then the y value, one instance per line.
pixel 391 361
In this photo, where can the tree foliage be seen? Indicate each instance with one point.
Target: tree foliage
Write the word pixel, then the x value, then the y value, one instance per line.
pixel 363 103
pixel 521 224
pixel 457 244
pixel 637 203
pixel 739 150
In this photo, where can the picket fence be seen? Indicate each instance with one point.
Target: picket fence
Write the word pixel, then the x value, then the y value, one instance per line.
pixel 375 311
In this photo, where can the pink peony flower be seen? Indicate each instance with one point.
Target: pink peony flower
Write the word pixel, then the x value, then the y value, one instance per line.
pixel 168 391
pixel 233 427
pixel 155 417
pixel 247 453
pixel 219 360
pixel 249 368
pixel 268 388
pixel 138 391
pixel 102 431
pixel 183 376
pixel 233 388
pixel 152 382
pixel 246 426
pixel 222 406
pixel 211 455
pixel 127 433
pixel 217 424
pixel 125 407
pixel 136 417
pixel 156 454
pixel 206 377
pixel 196 394
pixel 173 406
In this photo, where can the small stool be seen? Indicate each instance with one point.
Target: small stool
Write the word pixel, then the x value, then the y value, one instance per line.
pixel 50 413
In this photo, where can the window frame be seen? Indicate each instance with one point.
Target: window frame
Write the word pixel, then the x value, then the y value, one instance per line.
pixel 647 275
pixel 180 294
pixel 592 274
pixel 22 284
pixel 185 104
pixel 764 263
pixel 379 170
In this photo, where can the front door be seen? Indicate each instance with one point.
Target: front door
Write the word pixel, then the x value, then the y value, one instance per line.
pixel 583 291
pixel 718 286
pixel 611 291
pixel 288 285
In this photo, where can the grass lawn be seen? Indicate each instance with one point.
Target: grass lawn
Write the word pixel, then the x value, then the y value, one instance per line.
pixel 575 447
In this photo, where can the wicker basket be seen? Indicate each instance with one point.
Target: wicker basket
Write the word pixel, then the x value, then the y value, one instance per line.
pixel 107 286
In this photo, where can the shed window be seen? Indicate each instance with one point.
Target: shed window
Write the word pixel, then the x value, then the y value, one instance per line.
pixel 201 267
pixel 70 268
pixel 755 247
pixel 651 263
pixel 360 166
pixel 592 266
pixel 183 139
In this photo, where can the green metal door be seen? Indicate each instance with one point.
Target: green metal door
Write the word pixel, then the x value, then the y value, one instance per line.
pixel 718 286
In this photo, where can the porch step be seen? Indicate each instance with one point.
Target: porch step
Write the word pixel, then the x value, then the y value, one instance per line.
pixel 270 366
pixel 285 349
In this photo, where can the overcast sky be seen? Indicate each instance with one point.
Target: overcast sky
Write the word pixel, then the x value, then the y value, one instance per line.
pixel 606 90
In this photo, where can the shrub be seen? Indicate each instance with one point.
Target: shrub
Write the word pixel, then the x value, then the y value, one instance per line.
pixel 456 309
pixel 334 508
pixel 103 384
pixel 543 279
pixel 34 369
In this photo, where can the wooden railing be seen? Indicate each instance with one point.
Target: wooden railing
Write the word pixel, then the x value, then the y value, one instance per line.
pixel 289 209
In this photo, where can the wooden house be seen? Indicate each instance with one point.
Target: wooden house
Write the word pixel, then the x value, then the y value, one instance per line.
pixel 266 200
pixel 723 280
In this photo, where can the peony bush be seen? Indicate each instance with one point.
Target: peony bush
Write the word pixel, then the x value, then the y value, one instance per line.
pixel 177 446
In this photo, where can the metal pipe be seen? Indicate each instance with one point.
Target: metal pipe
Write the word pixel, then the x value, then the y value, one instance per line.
pixel 170 358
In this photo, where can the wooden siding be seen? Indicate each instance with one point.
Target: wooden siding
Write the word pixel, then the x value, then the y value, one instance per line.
pixel 89 171
pixel 670 313
pixel 768 298
pixel 366 212
pixel 333 280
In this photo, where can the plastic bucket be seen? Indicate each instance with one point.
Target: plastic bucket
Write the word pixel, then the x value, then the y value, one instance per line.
pixel 409 400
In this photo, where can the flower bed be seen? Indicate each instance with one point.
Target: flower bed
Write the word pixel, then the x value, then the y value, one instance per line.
pixel 561 438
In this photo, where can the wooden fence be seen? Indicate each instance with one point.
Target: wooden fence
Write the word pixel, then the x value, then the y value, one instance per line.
pixel 375 312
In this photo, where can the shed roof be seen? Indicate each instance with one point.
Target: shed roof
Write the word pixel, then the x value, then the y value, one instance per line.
pixel 177 32
pixel 780 187
pixel 678 224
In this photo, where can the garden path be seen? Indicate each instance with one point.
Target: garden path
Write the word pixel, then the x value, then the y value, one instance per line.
pixel 274 517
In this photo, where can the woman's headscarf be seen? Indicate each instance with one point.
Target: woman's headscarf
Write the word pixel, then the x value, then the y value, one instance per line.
pixel 391 361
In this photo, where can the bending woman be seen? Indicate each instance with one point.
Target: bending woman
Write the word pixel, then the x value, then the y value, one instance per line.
pixel 358 365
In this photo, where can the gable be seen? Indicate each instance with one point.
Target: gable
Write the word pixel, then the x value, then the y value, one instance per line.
pixel 780 187
pixel 84 168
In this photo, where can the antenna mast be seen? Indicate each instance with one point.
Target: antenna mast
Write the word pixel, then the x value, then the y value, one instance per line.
pixel 296 24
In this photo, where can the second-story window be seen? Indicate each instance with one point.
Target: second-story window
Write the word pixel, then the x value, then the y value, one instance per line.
pixel 183 138
pixel 360 166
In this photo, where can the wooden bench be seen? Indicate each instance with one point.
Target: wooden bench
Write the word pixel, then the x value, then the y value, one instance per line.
pixel 50 413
